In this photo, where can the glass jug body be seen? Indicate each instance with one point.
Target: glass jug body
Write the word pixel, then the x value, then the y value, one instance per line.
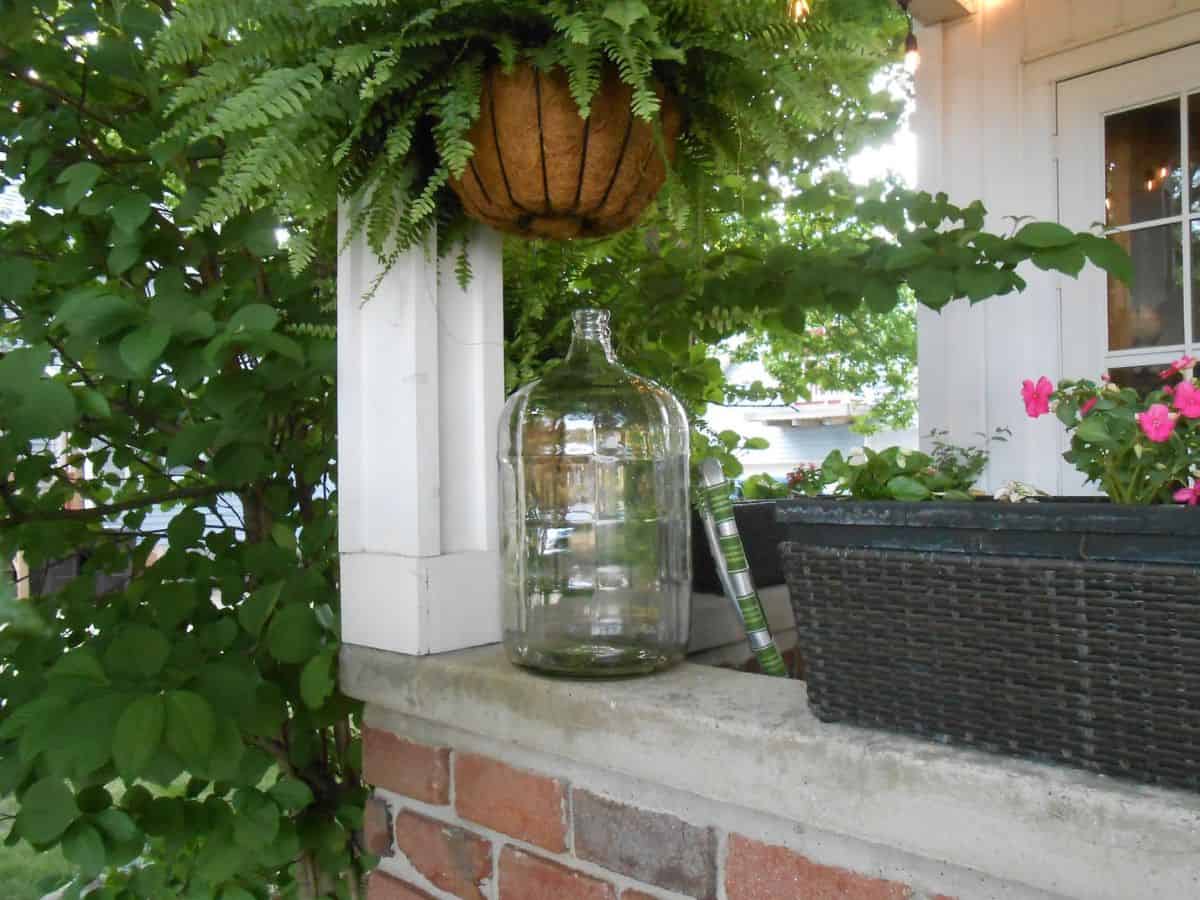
pixel 595 516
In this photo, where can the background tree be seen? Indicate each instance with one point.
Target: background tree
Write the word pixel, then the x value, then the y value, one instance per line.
pixel 189 720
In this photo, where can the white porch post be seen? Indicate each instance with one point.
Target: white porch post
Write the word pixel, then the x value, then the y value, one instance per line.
pixel 420 389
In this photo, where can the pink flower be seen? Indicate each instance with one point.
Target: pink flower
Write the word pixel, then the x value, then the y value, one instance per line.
pixel 1184 362
pixel 1106 378
pixel 1168 389
pixel 1187 399
pixel 1087 405
pixel 1158 422
pixel 1190 496
pixel 1037 396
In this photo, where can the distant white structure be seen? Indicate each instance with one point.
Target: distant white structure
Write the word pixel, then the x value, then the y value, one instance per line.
pixel 806 431
pixel 12 205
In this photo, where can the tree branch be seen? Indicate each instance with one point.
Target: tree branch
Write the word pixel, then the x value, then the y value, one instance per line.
pixel 99 512
pixel 60 95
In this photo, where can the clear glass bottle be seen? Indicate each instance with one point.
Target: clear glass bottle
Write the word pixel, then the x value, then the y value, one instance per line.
pixel 595 517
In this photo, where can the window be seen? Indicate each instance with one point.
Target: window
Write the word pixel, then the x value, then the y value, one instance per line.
pixel 1152 208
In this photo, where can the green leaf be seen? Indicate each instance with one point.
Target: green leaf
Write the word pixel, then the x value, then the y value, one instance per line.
pixel 87 732
pixel 255 317
pixel 190 442
pixel 138 735
pixel 16 615
pixel 83 846
pixel 186 529
pixel 1109 256
pixel 1068 260
pixel 981 282
pixel 123 257
pixel 79 663
pixel 233 892
pixel 118 825
pixel 1092 430
pixel 283 535
pixel 228 749
pixel 293 635
pixel 1044 235
pixel 880 296
pixel 933 287
pixel 94 404
pixel 191 725
pixel 130 212
pixel 757 443
pixel 43 409
pixel 18 276
pixel 257 822
pixel 907 488
pixel 316 681
pixel 626 12
pixel 257 608
pixel 138 651
pixel 79 179
pixel 291 793
pixel 144 346
pixel 47 810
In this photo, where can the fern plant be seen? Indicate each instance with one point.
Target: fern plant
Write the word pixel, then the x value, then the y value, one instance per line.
pixel 371 101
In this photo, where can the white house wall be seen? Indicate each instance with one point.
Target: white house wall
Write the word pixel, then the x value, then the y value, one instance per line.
pixel 985 124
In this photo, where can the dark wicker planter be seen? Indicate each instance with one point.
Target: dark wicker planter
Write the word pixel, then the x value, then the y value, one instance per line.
pixel 761 533
pixel 541 170
pixel 1064 632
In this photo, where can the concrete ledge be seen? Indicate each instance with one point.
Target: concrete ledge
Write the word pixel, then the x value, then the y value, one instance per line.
pixel 932 12
pixel 750 742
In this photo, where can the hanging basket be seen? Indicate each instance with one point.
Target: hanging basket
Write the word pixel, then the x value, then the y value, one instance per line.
pixel 542 171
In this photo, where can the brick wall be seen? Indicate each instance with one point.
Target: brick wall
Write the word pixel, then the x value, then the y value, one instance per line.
pixel 452 824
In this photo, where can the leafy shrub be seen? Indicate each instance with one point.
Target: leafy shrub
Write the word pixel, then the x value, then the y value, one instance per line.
pixel 1138 448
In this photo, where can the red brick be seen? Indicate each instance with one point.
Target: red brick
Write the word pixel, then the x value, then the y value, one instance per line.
pixel 414 770
pixel 757 871
pixel 652 848
pixel 377 827
pixel 385 887
pixel 522 804
pixel 631 894
pixel 452 858
pixel 524 876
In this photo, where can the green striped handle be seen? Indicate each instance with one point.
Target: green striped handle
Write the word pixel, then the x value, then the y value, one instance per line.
pixel 716 509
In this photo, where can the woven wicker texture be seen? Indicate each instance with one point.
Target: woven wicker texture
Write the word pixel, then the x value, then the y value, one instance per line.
pixel 1095 665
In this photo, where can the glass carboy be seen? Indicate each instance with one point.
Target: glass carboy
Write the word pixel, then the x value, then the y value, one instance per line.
pixel 595 518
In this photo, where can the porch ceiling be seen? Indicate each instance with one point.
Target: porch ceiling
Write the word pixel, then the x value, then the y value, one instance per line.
pixel 931 12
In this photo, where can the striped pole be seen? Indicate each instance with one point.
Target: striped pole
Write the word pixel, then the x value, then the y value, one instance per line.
pixel 725 542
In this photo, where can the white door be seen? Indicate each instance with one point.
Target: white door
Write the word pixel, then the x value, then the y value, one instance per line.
pixel 1129 161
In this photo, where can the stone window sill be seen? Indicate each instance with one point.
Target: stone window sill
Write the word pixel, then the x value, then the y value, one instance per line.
pixel 751 742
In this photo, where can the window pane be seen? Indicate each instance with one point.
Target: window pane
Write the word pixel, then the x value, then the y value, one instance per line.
pixel 1142 166
pixel 1195 281
pixel 1194 148
pixel 1151 313
pixel 1144 378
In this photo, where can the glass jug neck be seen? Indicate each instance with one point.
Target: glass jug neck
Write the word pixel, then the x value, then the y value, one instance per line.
pixel 592 338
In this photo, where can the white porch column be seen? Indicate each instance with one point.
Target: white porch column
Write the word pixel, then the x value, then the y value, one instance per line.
pixel 420 389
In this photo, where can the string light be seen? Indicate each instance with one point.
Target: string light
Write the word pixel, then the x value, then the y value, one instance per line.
pixel 912 52
pixel 800 10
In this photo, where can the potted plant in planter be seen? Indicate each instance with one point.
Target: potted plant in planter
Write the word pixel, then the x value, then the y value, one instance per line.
pixel 541 119
pixel 1061 630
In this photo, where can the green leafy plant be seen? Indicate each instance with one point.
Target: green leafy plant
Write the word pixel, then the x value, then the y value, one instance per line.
pixel 763 487
pixel 375 101
pixel 807 480
pixel 1138 448
pixel 170 717
pixel 949 472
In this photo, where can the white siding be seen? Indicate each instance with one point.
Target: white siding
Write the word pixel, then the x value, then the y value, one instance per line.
pixel 985 126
